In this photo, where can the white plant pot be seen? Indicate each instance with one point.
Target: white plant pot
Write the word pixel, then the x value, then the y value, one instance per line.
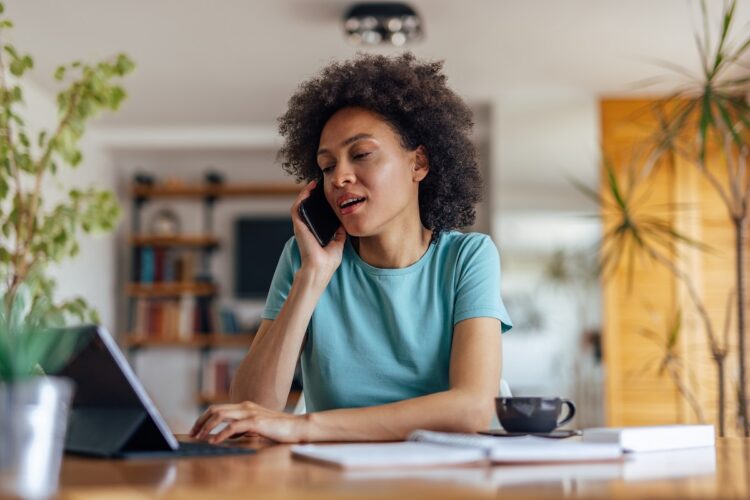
pixel 33 421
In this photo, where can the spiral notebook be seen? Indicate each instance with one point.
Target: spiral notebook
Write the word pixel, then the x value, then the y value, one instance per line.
pixel 428 448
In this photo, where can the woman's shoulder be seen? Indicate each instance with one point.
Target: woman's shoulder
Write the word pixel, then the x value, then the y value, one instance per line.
pixel 291 253
pixel 458 240
pixel 468 248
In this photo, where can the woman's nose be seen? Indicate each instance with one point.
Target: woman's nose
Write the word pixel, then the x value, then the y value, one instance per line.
pixel 343 174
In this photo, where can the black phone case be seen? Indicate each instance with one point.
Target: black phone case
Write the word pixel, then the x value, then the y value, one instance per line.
pixel 318 216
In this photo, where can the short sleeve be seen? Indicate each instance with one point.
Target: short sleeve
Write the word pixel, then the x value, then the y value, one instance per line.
pixel 478 286
pixel 289 262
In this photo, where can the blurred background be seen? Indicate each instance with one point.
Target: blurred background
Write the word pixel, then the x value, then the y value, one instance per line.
pixel 210 80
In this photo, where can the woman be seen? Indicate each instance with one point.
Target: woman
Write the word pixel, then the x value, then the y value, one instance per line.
pixel 397 319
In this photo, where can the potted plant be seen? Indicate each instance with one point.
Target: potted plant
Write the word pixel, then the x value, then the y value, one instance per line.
pixel 708 113
pixel 33 235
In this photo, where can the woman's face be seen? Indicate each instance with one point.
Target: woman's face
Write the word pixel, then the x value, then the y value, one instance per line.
pixel 362 159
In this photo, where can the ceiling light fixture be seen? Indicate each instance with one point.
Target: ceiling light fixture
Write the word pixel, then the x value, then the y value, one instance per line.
pixel 387 23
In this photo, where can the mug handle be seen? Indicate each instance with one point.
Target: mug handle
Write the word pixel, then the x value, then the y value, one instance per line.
pixel 571 412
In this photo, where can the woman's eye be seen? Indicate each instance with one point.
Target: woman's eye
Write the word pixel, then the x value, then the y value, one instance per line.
pixel 359 156
pixel 327 170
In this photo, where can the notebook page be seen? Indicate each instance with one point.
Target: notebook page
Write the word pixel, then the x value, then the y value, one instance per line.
pixel 378 455
pixel 512 449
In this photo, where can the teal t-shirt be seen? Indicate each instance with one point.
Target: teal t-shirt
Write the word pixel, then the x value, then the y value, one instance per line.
pixel 384 335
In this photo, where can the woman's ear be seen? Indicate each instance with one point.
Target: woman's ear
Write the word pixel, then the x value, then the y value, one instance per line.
pixel 421 164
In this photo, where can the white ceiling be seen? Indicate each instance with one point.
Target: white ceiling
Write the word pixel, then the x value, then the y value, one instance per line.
pixel 235 62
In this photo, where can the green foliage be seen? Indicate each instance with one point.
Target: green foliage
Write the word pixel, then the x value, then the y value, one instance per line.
pixel 709 113
pixel 635 231
pixel 30 337
pixel 32 233
pixel 710 110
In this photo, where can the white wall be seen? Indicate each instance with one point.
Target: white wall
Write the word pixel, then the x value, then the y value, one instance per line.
pixel 540 137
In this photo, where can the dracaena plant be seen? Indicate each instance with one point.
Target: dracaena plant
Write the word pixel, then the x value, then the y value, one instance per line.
pixel 637 231
pixel 33 232
pixel 709 111
pixel 706 112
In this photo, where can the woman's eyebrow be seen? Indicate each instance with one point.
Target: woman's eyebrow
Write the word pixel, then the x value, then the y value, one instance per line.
pixel 348 141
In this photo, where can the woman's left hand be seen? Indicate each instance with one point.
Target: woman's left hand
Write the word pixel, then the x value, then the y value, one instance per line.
pixel 249 418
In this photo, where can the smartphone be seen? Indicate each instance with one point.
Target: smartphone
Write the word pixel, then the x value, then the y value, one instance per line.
pixel 318 215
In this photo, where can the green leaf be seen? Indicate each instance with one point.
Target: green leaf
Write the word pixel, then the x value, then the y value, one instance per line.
pixel 613 184
pixel 76 158
pixel 728 16
pixel 731 124
pixel 60 73
pixel 11 50
pixel 124 65
pixel 706 120
pixel 704 48
pixel 19 121
pixel 116 97
pixel 17 67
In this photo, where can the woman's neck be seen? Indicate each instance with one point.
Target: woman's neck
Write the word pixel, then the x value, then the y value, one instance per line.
pixel 393 250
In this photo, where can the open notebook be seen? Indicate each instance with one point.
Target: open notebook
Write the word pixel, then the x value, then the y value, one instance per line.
pixel 425 448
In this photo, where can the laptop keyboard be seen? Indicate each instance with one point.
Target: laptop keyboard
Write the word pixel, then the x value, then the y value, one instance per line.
pixel 205 449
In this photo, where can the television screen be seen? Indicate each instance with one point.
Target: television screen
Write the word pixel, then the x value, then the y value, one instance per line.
pixel 258 242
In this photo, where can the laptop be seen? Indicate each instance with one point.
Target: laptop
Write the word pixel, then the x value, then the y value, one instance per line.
pixel 112 416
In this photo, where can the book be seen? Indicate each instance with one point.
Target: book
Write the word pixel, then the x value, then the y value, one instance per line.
pixel 218 371
pixel 228 322
pixel 147 265
pixel 587 476
pixel 653 438
pixel 430 448
pixel 185 325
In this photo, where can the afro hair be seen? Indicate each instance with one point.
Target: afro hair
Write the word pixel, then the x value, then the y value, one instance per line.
pixel 412 96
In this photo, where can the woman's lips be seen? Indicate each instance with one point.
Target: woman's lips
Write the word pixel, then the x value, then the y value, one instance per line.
pixel 351 208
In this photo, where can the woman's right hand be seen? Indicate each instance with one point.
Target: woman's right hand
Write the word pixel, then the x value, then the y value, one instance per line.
pixel 322 261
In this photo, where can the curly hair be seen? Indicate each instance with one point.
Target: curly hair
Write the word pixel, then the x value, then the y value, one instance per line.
pixel 412 96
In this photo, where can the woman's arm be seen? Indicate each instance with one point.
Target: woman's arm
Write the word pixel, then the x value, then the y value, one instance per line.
pixel 265 374
pixel 467 406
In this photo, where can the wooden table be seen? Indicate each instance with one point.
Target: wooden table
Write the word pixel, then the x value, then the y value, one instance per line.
pixel 272 473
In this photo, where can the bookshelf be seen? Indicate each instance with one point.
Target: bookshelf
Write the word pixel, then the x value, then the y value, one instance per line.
pixel 170 292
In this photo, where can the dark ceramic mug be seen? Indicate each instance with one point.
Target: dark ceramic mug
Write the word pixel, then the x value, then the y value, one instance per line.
pixel 532 414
